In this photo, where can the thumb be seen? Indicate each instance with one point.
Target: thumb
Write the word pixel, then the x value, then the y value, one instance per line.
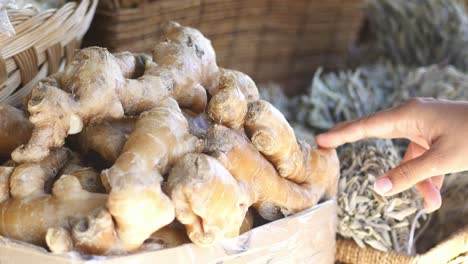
pixel 410 172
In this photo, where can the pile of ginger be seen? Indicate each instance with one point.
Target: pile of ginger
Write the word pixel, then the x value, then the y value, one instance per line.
pixel 119 151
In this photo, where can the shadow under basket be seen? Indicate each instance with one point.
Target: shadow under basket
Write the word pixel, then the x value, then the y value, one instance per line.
pixel 454 250
pixel 270 40
pixel 44 42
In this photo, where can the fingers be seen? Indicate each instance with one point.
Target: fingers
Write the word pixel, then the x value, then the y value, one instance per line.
pixel 431 195
pixel 383 124
pixel 438 181
pixel 399 122
pixel 414 150
pixel 410 172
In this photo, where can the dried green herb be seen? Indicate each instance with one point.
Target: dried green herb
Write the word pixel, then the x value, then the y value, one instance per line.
pixel 383 223
pixel 417 32
pixel 347 95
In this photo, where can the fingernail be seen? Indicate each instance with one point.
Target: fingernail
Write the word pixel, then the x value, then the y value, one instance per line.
pixel 428 209
pixel 432 205
pixel 383 185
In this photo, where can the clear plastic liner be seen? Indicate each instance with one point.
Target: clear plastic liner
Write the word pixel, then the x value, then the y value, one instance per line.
pixel 306 237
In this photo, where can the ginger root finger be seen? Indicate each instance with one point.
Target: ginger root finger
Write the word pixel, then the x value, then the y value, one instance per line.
pixel 272 194
pixel 195 99
pixel 160 138
pixel 29 179
pixel 15 129
pixel 208 200
pixel 29 219
pixel 95 234
pixel 228 105
pixel 53 114
pixel 240 80
pixel 58 240
pixel 187 57
pixel 271 134
pixel 106 138
pixel 321 169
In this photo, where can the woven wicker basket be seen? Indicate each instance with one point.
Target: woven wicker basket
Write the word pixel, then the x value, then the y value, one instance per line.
pixel 271 40
pixel 454 250
pixel 43 44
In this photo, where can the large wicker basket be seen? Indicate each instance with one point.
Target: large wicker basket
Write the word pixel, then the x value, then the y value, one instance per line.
pixel 453 250
pixel 43 44
pixel 271 40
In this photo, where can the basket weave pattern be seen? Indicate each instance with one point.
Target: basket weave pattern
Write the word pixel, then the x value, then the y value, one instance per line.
pixel 43 44
pixel 271 40
pixel 452 250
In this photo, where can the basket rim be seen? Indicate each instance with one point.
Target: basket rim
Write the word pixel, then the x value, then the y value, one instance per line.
pixel 43 40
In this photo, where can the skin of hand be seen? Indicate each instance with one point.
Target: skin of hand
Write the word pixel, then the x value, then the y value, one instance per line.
pixel 437 130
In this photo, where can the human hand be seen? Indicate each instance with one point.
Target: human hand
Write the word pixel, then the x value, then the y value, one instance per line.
pixel 438 132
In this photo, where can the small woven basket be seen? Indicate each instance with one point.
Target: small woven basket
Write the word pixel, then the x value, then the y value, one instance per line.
pixel 271 40
pixel 453 250
pixel 43 44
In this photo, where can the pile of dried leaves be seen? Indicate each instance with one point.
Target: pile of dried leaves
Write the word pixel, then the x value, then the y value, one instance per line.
pixel 417 32
pixel 365 216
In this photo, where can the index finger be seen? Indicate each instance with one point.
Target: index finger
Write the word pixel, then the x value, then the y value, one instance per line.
pixel 391 123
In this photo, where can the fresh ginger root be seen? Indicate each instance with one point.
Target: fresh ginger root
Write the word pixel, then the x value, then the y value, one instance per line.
pixel 196 100
pixel 271 194
pixel 58 239
pixel 88 177
pixel 95 234
pixel 207 199
pixel 94 87
pixel 28 180
pixel 272 135
pixel 29 218
pixel 240 80
pixel 106 138
pixel 160 138
pixel 15 129
pixel 228 105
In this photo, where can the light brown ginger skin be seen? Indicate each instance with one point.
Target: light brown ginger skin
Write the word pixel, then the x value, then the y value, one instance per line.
pixel 168 237
pixel 28 219
pixel 228 106
pixel 96 234
pixel 106 138
pixel 94 88
pixel 270 193
pixel 195 100
pixel 187 58
pixel 241 80
pixel 5 173
pixel 248 222
pixel 58 240
pixel 272 135
pixel 28 179
pixel 160 138
pixel 15 129
pixel 207 199
pixel 89 178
